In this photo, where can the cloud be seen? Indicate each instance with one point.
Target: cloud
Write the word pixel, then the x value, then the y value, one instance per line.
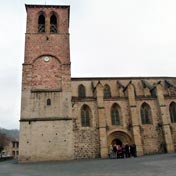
pixel 10 99
pixel 128 34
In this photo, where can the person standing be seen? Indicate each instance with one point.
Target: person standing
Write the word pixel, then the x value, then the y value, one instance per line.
pixel 134 150
pixel 123 151
pixel 115 150
pixel 127 153
pixel 110 152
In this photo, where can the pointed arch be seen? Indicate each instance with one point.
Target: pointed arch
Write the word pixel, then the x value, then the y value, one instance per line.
pixel 172 111
pixel 85 116
pixel 107 91
pixel 146 115
pixel 41 23
pixel 53 23
pixel 81 91
pixel 115 114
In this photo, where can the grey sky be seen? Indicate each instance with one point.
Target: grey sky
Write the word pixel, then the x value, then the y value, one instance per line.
pixel 107 38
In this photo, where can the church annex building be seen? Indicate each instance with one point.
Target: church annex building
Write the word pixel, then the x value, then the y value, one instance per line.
pixel 65 118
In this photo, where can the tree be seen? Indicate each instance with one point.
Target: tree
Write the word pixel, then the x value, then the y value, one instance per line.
pixel 4 140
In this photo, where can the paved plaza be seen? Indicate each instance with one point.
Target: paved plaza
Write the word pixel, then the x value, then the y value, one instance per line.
pixel 152 165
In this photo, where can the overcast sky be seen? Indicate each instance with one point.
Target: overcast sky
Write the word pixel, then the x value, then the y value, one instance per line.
pixel 107 37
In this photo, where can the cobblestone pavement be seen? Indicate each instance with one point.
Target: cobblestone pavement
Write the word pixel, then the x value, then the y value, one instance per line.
pixel 152 165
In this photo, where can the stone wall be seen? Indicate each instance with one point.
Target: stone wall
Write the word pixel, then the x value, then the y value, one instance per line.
pixel 86 143
pixel 46 129
pixel 86 139
pixel 152 135
pixel 46 140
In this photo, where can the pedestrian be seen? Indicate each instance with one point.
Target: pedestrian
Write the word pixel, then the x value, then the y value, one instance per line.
pixel 127 150
pixel 110 151
pixel 123 151
pixel 115 150
pixel 134 150
pixel 119 151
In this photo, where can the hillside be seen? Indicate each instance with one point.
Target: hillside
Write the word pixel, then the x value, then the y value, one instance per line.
pixel 14 133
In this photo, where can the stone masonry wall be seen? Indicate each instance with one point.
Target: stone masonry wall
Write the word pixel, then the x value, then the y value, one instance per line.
pixel 46 129
pixel 46 140
pixel 86 143
pixel 152 134
pixel 86 139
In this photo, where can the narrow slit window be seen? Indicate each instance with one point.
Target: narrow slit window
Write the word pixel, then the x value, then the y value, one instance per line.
pixel 81 91
pixel 107 91
pixel 48 102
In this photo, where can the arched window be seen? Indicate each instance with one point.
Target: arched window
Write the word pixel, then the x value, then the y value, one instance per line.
pixel 48 102
pixel 172 110
pixel 146 115
pixel 41 23
pixel 107 91
pixel 85 116
pixel 53 24
pixel 81 91
pixel 115 115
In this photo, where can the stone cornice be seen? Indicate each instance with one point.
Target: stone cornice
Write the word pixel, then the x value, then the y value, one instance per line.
pixel 45 119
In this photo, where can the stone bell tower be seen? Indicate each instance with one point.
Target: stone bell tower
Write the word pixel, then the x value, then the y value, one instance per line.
pixel 46 128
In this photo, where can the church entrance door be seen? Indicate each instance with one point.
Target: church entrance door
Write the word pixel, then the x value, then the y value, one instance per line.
pixel 119 138
pixel 117 142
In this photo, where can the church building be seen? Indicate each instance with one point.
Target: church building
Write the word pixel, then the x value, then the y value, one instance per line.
pixel 65 118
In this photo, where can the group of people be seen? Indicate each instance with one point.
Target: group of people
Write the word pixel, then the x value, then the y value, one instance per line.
pixel 122 151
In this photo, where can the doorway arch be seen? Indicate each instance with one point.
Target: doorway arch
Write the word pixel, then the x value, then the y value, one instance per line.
pixel 119 137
